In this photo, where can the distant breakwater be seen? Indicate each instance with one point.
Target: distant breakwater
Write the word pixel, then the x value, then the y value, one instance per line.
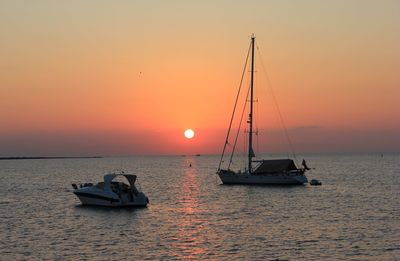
pixel 29 158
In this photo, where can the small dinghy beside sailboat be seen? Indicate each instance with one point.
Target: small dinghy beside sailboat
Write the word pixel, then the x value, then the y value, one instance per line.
pixel 262 172
pixel 112 193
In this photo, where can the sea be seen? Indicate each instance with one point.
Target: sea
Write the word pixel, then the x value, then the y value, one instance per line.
pixel 354 215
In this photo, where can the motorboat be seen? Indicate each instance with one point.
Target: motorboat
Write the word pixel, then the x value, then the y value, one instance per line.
pixel 111 193
pixel 315 182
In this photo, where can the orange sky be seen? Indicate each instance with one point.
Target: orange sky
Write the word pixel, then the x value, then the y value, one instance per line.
pixel 128 77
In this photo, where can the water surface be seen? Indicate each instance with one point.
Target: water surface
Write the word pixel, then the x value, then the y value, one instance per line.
pixel 353 215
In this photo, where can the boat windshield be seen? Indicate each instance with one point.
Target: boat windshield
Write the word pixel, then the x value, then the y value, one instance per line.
pixel 100 185
pixel 119 185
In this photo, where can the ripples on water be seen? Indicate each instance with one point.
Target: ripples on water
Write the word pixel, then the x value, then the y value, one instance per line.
pixel 353 215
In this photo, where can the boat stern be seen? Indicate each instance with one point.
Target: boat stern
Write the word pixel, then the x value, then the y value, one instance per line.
pixel 301 179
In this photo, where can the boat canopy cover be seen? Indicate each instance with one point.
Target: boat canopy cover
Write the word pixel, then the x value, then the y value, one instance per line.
pixel 109 177
pixel 274 166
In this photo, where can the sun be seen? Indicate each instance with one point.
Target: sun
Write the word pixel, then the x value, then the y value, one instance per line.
pixel 189 133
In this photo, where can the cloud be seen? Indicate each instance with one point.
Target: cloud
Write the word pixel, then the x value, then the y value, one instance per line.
pixel 305 127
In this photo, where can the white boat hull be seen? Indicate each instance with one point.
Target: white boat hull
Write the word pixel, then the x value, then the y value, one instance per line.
pixel 264 179
pixel 97 200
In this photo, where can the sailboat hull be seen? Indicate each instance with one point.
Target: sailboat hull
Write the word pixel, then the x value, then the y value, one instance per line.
pixel 229 177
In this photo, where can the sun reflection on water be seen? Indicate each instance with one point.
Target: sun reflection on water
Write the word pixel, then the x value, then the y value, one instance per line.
pixel 191 230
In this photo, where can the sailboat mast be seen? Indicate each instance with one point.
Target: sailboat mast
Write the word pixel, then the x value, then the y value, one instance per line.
pixel 251 152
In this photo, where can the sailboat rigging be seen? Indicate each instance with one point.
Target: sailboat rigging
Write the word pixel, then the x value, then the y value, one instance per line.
pixel 268 172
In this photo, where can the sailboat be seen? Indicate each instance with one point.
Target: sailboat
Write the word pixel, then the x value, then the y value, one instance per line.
pixel 262 172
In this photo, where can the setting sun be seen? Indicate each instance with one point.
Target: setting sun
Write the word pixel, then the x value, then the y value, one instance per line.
pixel 189 133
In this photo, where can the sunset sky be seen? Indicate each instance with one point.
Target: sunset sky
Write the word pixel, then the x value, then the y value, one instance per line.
pixel 128 77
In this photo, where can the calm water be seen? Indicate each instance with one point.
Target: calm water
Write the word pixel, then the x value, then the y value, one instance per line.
pixel 355 214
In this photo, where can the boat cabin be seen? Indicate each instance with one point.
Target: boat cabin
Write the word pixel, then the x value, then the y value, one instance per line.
pixel 277 166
